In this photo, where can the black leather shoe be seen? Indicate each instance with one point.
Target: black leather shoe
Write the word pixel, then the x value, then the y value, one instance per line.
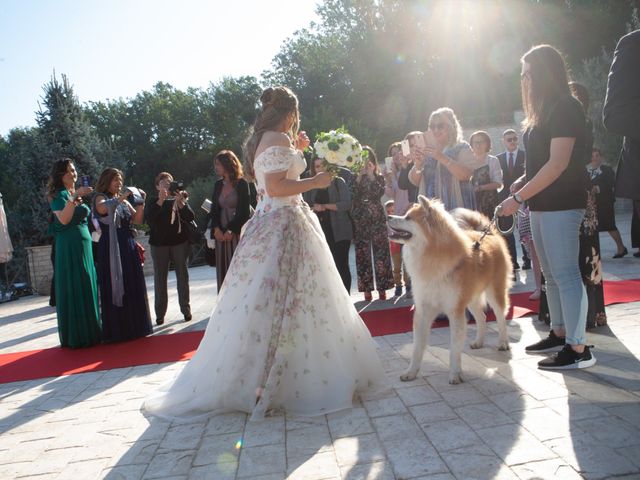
pixel 159 321
pixel 187 318
pixel 620 255
pixel 526 265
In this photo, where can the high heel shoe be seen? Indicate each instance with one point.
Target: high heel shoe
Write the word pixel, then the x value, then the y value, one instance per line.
pixel 620 255
pixel 367 296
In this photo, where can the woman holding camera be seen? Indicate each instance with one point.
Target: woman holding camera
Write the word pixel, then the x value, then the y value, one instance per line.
pixel 75 278
pixel 123 292
pixel 230 209
pixel 166 216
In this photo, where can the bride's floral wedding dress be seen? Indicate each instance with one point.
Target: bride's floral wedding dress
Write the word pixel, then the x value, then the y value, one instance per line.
pixel 284 334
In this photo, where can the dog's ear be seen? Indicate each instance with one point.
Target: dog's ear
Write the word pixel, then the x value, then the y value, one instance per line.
pixel 424 202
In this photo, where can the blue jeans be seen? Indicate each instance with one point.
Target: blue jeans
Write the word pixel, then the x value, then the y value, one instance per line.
pixel 557 242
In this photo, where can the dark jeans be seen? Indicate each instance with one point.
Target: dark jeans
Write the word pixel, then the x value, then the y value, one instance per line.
pixel 340 252
pixel 161 256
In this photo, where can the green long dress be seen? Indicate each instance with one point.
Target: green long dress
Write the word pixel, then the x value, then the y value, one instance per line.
pixel 75 278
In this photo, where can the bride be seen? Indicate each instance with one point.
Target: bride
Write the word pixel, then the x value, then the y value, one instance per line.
pixel 284 334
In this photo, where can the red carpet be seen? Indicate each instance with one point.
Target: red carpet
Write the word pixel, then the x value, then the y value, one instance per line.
pixel 55 362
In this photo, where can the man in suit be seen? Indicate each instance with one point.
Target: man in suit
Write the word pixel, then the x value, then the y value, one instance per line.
pixel 512 164
pixel 621 115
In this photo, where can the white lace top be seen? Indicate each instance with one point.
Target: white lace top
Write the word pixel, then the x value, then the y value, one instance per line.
pixel 277 159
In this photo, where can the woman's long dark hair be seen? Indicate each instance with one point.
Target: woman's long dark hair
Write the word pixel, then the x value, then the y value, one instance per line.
pixel 549 80
pixel 106 177
pixel 231 165
pixel 277 104
pixel 59 170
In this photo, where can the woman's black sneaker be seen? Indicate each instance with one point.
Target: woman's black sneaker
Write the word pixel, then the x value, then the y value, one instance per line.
pixel 567 359
pixel 552 342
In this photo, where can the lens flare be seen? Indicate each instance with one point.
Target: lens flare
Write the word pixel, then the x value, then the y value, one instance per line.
pixel 239 444
pixel 400 59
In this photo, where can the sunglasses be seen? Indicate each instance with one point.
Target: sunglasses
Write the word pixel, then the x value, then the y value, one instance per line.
pixel 438 126
pixel 511 139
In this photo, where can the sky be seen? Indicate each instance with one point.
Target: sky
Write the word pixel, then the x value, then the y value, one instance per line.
pixel 118 48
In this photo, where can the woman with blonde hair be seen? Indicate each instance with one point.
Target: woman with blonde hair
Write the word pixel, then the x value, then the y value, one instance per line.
pixel 443 167
pixel 284 334
pixel 230 209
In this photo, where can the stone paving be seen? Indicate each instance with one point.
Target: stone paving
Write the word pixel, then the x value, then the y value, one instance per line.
pixel 508 420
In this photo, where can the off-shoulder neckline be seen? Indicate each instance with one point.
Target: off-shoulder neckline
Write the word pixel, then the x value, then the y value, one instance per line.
pixel 293 150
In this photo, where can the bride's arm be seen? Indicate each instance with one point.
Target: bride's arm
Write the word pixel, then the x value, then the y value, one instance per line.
pixel 278 185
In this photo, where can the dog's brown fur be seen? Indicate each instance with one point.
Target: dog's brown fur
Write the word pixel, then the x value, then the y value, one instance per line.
pixel 449 275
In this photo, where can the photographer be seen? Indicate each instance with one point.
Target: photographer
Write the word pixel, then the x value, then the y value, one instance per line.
pixel 123 291
pixel 166 216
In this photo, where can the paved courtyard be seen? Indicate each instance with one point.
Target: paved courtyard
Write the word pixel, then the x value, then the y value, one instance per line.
pixel 508 420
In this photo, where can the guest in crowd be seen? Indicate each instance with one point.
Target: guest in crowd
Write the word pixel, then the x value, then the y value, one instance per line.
pixel 443 170
pixel 603 180
pixel 123 291
pixel 512 164
pixel 75 275
pixel 399 204
pixel 230 209
pixel 487 176
pixel 166 216
pixel 399 270
pixel 332 205
pixel 590 258
pixel 370 230
pixel 621 115
pixel 555 139
pixel 406 164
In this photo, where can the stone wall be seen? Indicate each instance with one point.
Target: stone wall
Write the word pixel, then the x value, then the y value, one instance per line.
pixel 41 269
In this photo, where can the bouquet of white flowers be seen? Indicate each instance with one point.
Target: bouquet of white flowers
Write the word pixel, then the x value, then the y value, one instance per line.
pixel 339 149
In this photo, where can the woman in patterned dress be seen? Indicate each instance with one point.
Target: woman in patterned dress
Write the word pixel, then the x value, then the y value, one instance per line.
pixel 370 235
pixel 284 334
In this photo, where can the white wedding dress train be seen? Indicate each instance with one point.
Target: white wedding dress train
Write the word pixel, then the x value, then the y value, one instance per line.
pixel 284 334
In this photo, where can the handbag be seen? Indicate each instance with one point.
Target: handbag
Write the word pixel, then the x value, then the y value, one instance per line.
pixel 194 235
pixel 140 250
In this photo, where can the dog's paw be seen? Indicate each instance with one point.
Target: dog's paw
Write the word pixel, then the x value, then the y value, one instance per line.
pixel 477 344
pixel 408 376
pixel 503 347
pixel 455 378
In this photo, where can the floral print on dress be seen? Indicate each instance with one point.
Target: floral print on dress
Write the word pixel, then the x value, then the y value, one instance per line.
pixel 272 340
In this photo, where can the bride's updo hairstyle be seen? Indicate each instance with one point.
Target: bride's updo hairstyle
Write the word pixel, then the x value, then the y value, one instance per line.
pixel 277 104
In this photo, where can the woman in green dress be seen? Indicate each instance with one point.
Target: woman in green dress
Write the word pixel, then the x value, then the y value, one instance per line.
pixel 75 274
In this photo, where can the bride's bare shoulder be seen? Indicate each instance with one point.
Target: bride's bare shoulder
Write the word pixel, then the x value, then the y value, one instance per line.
pixel 273 139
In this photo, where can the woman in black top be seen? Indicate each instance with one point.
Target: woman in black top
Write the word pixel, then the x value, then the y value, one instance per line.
pixel 554 187
pixel 166 216
pixel 230 209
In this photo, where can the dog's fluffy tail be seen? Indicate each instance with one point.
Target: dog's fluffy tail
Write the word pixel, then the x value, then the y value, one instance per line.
pixel 469 219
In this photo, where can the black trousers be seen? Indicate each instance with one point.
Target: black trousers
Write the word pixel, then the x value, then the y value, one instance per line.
pixel 162 255
pixel 340 252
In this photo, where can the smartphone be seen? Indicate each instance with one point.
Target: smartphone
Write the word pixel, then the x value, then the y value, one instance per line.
pixel 85 180
pixel 406 149
pixel 388 162
pixel 420 141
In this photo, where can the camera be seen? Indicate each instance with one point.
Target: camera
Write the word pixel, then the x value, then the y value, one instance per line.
pixel 175 187
pixel 136 197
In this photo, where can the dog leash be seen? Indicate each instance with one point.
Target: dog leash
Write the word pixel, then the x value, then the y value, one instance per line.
pixel 494 222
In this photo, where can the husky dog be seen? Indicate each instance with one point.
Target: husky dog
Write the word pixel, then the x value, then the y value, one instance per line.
pixel 450 273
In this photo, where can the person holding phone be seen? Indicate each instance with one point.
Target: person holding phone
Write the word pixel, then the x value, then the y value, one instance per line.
pixel 443 167
pixel 76 289
pixel 123 291
pixel 166 215
pixel 370 230
pixel 394 163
